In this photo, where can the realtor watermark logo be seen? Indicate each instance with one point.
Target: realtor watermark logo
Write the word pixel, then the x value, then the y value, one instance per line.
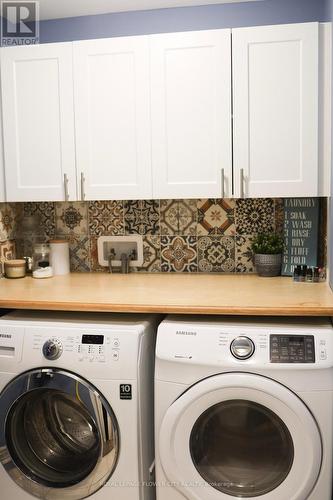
pixel 19 23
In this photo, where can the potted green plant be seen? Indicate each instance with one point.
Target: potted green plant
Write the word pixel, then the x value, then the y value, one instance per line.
pixel 267 249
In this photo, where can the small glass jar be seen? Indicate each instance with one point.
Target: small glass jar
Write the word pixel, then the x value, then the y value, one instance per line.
pixel 40 256
pixel 15 268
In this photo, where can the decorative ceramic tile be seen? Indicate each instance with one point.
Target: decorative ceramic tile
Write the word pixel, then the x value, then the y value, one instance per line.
pixel 178 217
pixel 254 216
pixel 39 218
pixel 142 217
pixel 179 253
pixel 216 254
pixel 279 215
pixel 151 254
pixel 244 254
pixel 8 220
pixel 94 265
pixel 7 250
pixel 18 209
pixel 106 218
pixel 72 218
pixel 24 247
pixel 177 249
pixel 79 252
pixel 216 216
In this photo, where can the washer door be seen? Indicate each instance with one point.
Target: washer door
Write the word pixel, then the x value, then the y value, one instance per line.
pixel 57 434
pixel 240 435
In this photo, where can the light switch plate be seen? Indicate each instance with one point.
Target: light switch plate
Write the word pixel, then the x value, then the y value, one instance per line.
pixel 120 244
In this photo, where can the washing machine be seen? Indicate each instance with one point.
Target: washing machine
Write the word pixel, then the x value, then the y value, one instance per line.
pixel 244 409
pixel 76 412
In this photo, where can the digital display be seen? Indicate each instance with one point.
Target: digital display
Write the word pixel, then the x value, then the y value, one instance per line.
pixel 93 339
pixel 297 341
pixel 292 349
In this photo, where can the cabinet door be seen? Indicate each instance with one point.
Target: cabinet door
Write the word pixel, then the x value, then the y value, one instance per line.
pixel 275 90
pixel 38 122
pixel 191 114
pixel 112 116
pixel 2 163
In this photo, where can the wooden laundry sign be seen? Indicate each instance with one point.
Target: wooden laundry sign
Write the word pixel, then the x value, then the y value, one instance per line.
pixel 301 221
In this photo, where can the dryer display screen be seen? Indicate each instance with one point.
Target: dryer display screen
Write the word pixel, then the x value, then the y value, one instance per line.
pixel 93 339
pixel 292 349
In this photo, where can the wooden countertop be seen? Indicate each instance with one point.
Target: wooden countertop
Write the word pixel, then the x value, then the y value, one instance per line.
pixel 169 293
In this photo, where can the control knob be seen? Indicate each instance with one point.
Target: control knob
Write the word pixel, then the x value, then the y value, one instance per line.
pixel 52 349
pixel 242 347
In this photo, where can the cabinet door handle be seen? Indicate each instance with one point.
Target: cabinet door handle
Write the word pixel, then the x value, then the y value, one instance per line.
pixel 242 182
pixel 66 187
pixel 222 183
pixel 83 194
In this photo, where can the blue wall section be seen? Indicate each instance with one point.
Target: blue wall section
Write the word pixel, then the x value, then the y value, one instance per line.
pixel 183 19
pixel 328 10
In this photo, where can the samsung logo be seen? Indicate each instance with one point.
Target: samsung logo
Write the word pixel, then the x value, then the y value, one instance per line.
pixel 184 332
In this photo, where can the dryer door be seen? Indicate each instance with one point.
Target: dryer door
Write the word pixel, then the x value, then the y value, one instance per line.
pixel 240 435
pixel 58 435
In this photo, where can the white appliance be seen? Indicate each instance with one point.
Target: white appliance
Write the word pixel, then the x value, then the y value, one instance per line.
pixel 244 408
pixel 76 416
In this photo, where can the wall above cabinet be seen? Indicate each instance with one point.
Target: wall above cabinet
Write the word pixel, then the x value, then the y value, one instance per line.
pixel 234 113
pixel 49 9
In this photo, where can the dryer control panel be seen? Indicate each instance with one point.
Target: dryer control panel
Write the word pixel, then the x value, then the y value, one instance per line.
pixel 292 349
pixel 244 343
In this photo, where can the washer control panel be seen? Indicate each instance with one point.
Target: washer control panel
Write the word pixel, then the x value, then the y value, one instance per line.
pixel 292 349
pixel 52 349
pixel 86 347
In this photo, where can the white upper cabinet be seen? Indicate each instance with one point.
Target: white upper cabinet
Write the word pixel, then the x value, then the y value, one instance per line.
pixel 275 99
pixel 191 114
pixel 112 118
pixel 38 122
pixel 2 163
pixel 216 113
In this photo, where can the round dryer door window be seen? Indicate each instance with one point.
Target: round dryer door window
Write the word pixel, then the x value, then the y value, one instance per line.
pixel 240 435
pixel 58 433
pixel 241 448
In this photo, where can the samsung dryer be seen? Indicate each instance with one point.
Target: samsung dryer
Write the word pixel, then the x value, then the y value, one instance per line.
pixel 76 412
pixel 244 409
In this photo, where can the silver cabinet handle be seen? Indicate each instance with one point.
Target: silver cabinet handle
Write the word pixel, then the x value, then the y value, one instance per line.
pixel 66 187
pixel 222 182
pixel 242 182
pixel 83 195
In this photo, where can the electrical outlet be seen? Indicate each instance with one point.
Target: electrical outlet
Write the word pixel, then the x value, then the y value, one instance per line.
pixel 119 245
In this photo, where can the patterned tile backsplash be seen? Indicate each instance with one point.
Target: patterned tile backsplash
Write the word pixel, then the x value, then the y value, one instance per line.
pixel 216 217
pixel 204 235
